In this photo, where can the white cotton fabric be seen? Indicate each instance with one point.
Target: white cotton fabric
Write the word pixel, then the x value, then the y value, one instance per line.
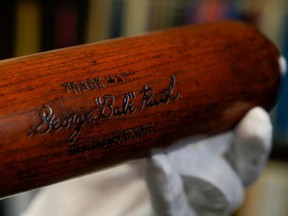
pixel 197 176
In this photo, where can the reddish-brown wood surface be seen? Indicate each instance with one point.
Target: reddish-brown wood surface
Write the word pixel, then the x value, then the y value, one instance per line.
pixel 73 111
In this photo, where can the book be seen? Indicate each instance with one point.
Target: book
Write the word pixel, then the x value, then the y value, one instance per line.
pixel 83 9
pixel 177 8
pixel 116 19
pixel 98 20
pixel 167 13
pixel 158 14
pixel 66 24
pixel 63 23
pixel 135 17
pixel 172 15
pixel 210 10
pixel 27 35
pixel 48 8
pixel 7 20
pixel 249 10
pixel 271 21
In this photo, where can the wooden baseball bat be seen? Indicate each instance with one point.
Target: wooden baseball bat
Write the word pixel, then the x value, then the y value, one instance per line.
pixel 72 111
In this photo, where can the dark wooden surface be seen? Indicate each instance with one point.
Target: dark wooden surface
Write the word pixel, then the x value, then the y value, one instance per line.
pixel 73 111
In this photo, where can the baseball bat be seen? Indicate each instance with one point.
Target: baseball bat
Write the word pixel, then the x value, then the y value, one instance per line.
pixel 72 111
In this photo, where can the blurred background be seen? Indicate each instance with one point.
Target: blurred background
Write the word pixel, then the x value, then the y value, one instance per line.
pixel 31 26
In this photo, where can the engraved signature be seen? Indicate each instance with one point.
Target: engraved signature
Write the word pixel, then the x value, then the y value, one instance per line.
pixel 105 108
pixel 150 99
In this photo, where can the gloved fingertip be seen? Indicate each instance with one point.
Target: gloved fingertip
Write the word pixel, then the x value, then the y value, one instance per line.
pixel 251 145
pixel 159 165
pixel 164 184
pixel 283 65
pixel 256 126
pixel 258 115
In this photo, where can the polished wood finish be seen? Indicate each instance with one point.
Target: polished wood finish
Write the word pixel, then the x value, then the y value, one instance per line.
pixel 72 111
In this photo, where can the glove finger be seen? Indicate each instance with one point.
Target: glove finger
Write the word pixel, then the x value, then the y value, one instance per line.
pixel 212 185
pixel 251 145
pixel 283 65
pixel 166 188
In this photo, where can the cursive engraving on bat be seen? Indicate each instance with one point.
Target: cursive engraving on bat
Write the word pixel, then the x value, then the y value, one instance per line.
pixel 105 108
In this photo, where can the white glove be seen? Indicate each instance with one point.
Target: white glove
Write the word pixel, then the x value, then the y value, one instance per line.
pixel 208 176
pixel 183 180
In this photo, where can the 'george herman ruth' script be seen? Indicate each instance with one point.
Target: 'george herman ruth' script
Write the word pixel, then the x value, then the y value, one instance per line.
pixel 106 107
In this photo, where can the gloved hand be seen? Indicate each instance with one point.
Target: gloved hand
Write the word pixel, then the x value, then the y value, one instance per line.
pixel 208 176
pixel 205 178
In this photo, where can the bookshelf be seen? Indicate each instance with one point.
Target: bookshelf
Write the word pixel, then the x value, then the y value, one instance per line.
pixel 31 26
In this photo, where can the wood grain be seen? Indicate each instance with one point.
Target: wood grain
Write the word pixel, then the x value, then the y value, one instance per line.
pixel 68 112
